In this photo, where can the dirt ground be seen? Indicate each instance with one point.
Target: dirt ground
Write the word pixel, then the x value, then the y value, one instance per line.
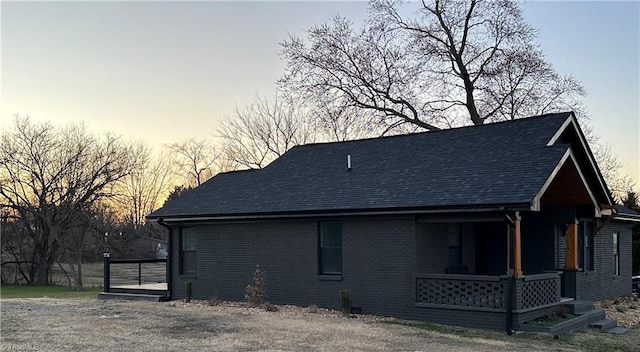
pixel 625 310
pixel 44 324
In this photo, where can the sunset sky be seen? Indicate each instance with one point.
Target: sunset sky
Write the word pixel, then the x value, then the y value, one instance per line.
pixel 167 71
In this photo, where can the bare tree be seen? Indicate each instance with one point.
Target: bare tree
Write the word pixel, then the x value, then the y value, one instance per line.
pixel 452 63
pixel 611 168
pixel 78 234
pixel 196 160
pixel 620 183
pixel 264 131
pixel 145 187
pixel 49 176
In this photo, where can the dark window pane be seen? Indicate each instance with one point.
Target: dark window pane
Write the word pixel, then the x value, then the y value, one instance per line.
pixel 189 259
pixel 188 251
pixel 616 254
pixel 330 248
pixel 188 240
pixel 331 260
pixel 331 240
pixel 455 256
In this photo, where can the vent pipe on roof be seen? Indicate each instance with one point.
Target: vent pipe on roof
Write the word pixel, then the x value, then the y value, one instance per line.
pixel 348 162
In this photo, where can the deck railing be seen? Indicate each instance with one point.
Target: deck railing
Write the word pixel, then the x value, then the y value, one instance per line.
pixel 133 271
pixel 487 292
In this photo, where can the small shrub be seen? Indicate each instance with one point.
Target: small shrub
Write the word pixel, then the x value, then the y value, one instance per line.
pixel 270 307
pixel 188 290
pixel 256 294
pixel 616 301
pixel 621 309
pixel 214 301
pixel 312 309
pixel 345 302
pixel 561 311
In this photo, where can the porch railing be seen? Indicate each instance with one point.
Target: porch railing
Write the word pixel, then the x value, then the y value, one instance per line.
pixel 133 271
pixel 537 290
pixel 487 292
pixel 461 290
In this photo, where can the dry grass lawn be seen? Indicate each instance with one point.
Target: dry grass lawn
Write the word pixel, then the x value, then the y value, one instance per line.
pixel 44 324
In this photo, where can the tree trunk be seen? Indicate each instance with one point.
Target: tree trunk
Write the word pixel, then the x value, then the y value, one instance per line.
pixel 79 284
pixel 76 271
pixel 45 266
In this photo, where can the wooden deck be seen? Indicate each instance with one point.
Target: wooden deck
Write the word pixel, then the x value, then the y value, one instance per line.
pixel 135 279
pixel 160 286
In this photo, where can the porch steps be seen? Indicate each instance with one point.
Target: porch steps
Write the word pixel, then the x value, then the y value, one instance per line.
pixel 138 291
pixel 131 296
pixel 581 321
pixel 618 330
pixel 578 307
pixel 604 324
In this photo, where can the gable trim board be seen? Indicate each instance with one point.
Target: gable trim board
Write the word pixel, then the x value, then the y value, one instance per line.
pixel 571 120
pixel 568 156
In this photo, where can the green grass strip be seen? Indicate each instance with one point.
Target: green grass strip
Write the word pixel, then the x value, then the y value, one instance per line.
pixel 50 291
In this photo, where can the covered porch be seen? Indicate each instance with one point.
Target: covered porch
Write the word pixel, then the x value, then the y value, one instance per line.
pixel 509 264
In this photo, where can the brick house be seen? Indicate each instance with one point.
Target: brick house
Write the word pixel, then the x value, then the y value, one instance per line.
pixel 477 226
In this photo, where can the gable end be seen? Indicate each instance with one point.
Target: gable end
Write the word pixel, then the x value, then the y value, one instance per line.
pixel 570 132
pixel 566 185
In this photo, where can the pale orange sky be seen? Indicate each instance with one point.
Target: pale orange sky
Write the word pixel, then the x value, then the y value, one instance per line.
pixel 167 71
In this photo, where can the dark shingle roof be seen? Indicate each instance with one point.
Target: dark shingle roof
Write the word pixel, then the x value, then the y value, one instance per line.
pixel 622 210
pixel 495 164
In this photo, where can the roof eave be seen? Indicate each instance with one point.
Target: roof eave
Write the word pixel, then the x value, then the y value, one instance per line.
pixel 347 212
pixel 627 217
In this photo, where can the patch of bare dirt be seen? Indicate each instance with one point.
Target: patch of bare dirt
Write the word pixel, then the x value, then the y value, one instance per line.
pixel 281 310
pixel 626 310
pixel 92 325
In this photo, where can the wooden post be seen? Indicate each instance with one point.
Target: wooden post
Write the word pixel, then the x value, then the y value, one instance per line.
pixel 571 261
pixel 508 248
pixel 517 259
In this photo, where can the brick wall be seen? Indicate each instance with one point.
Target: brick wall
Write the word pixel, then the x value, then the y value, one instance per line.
pixel 379 266
pixel 602 283
pixel 380 263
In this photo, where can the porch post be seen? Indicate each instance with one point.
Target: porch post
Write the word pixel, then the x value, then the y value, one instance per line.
pixel 571 261
pixel 508 248
pixel 517 261
pixel 106 271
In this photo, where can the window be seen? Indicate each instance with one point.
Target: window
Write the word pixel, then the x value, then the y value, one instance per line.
pixel 586 230
pixel 330 255
pixel 455 246
pixel 188 253
pixel 561 245
pixel 616 253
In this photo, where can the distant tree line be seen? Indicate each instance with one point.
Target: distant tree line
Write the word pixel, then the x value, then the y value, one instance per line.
pixel 67 195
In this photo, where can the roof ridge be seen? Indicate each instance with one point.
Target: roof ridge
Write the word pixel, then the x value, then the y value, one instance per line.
pixel 444 130
pixel 236 171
